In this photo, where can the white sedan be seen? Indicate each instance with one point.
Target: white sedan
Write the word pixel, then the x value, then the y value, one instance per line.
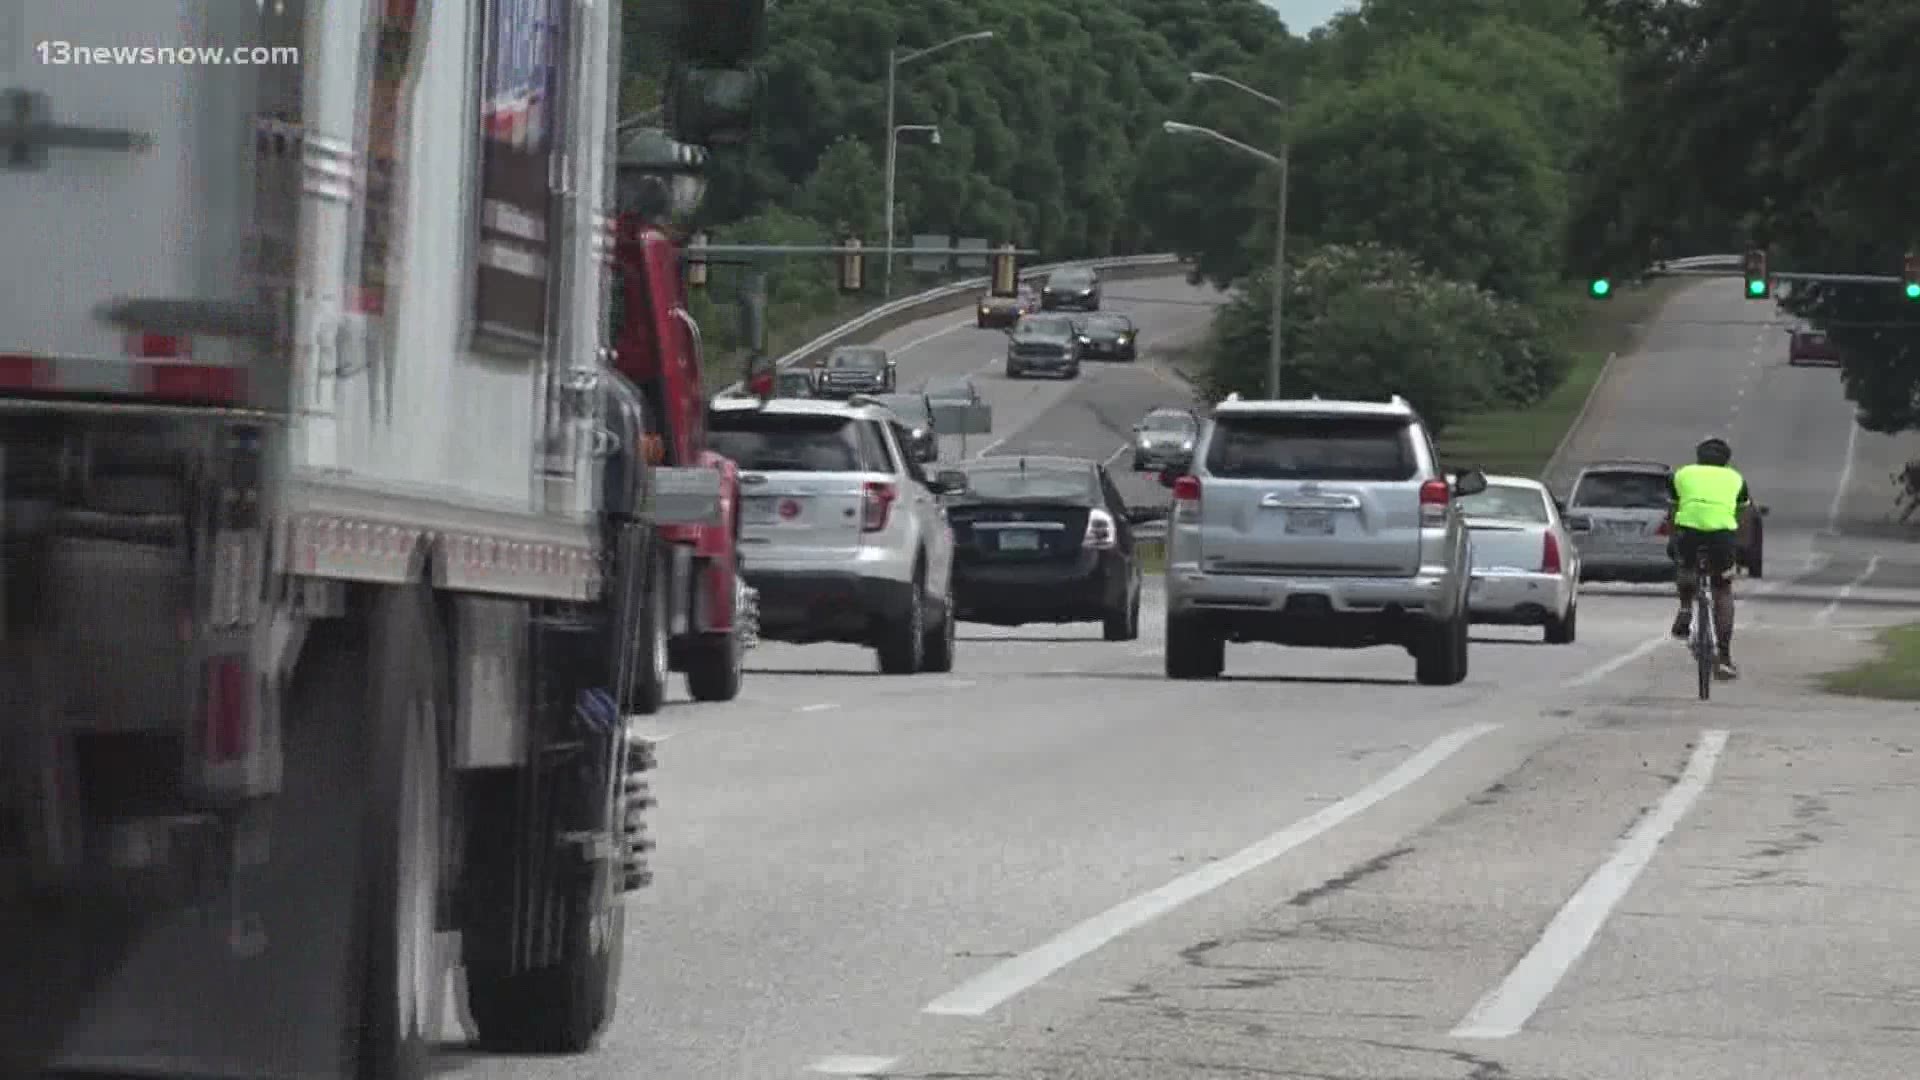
pixel 1526 571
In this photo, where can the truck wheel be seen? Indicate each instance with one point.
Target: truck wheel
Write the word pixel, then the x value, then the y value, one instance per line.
pixel 562 1006
pixel 715 665
pixel 1194 650
pixel 903 637
pixel 401 999
pixel 652 670
pixel 937 653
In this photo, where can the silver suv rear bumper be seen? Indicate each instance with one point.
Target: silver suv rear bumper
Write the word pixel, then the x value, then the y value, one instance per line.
pixel 1434 593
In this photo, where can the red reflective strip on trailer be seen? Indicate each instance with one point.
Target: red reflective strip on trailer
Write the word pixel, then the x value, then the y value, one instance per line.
pixel 229 714
pixel 158 346
pixel 18 372
pixel 193 382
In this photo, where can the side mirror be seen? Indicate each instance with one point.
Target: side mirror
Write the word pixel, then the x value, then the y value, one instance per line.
pixel 1470 482
pixel 1560 505
pixel 1171 475
pixel 715 106
pixel 928 452
pixel 949 482
pixel 1140 515
pixel 1765 510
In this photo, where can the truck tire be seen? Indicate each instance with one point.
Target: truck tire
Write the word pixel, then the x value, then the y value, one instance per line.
pixel 561 1006
pixel 406 827
pixel 651 668
pixel 715 666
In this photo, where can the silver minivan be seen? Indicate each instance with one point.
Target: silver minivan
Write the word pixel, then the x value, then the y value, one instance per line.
pixel 1617 514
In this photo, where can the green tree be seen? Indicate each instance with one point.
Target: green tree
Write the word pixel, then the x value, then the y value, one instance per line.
pixel 1365 321
pixel 1785 125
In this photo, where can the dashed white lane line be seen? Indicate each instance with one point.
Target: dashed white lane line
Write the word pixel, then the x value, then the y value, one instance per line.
pixel 1846 478
pixel 1601 671
pixel 1009 978
pixel 822 706
pixel 852 1065
pixel 1826 613
pixel 1508 1007
pixel 1115 456
pixel 935 336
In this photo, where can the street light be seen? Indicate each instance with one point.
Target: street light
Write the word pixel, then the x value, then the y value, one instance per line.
pixel 1174 127
pixel 895 58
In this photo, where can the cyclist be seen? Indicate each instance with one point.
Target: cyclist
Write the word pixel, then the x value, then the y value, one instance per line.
pixel 1707 498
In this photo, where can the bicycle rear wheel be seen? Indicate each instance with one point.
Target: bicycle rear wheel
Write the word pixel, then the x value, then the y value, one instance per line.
pixel 1703 630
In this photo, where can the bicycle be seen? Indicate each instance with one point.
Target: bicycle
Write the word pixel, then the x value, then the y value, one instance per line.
pixel 1704 641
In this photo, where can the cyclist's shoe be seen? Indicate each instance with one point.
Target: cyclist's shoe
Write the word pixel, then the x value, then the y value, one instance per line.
pixel 1724 668
pixel 1683 625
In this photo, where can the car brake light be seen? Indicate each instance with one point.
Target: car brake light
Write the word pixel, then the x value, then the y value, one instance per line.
pixel 1435 495
pixel 1665 528
pixel 1550 555
pixel 1100 531
pixel 1186 489
pixel 876 501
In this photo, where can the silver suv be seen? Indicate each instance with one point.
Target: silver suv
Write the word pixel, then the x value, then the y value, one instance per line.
pixel 841 532
pixel 1318 523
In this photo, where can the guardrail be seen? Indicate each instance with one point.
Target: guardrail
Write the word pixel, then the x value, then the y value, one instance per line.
pixel 946 297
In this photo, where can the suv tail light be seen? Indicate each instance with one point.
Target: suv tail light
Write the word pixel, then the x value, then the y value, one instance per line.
pixel 1435 496
pixel 1101 534
pixel 1665 528
pixel 1550 555
pixel 876 502
pixel 1186 499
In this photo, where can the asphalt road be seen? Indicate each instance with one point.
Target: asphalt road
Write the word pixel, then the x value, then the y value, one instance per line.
pixel 1056 863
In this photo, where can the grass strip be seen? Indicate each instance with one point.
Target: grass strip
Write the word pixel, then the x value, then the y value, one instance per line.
pixel 1894 675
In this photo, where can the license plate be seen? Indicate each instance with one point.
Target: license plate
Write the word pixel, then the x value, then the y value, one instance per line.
pixel 1625 528
pixel 758 511
pixel 1310 523
pixel 1019 540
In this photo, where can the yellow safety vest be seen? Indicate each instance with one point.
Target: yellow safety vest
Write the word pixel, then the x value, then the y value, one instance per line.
pixel 1709 498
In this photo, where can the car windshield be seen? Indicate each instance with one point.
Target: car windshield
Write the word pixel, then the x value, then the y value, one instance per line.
pixel 1012 482
pixel 858 359
pixel 1073 279
pixel 1109 324
pixel 1507 502
pixel 772 442
pixel 949 389
pixel 1623 491
pixel 1311 448
pixel 1044 328
pixel 1175 422
pixel 909 407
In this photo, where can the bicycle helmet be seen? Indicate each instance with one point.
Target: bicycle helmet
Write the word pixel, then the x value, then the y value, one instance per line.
pixel 1713 450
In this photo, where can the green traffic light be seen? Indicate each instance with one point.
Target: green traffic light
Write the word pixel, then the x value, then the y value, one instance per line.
pixel 1756 287
pixel 1913 290
pixel 1601 287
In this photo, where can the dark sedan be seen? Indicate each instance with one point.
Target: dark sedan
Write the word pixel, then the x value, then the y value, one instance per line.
pixel 1074 288
pixel 916 415
pixel 1045 540
pixel 1107 336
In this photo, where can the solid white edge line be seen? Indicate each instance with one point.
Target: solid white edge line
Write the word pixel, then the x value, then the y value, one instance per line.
pixel 935 336
pixel 1846 476
pixel 852 1065
pixel 1009 978
pixel 1846 591
pixel 1508 1007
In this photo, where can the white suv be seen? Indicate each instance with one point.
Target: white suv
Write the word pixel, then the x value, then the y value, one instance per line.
pixel 1319 523
pixel 841 533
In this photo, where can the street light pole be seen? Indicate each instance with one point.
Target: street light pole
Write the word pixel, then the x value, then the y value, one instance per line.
pixel 1282 163
pixel 895 58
